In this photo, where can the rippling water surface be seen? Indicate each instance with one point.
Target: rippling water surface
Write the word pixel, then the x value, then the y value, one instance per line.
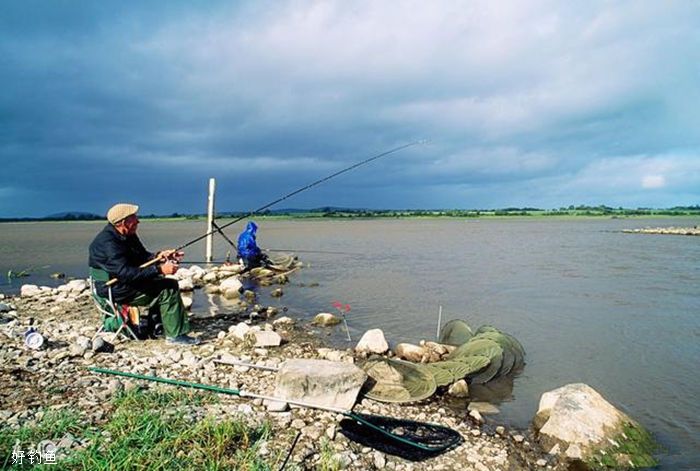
pixel 589 303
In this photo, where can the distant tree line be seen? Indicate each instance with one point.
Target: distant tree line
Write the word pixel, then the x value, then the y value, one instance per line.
pixel 332 212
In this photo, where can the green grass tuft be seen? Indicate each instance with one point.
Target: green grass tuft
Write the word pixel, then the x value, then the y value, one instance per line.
pixel 149 430
pixel 327 460
pixel 53 425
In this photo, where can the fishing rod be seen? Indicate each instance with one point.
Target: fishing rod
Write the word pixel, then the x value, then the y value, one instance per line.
pixel 279 200
pixel 310 185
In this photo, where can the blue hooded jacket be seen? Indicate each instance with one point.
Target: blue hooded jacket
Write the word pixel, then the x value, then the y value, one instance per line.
pixel 247 247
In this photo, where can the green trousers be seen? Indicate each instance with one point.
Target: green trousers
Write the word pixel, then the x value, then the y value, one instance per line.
pixel 165 294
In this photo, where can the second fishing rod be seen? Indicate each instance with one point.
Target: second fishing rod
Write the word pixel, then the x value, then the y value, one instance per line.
pixel 219 229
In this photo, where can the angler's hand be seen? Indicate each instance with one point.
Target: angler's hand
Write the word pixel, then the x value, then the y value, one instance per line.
pixel 170 254
pixel 169 267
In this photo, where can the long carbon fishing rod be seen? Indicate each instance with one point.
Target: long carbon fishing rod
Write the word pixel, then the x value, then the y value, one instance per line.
pixel 219 229
pixel 279 200
pixel 295 192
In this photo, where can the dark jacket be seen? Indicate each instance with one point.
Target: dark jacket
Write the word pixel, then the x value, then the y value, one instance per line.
pixel 247 247
pixel 120 256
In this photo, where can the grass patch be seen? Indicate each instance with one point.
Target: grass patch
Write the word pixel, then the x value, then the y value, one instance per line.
pixel 53 425
pixel 635 448
pixel 149 430
pixel 327 460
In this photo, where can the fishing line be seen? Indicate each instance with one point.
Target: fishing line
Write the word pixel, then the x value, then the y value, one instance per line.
pixel 310 185
pixel 278 200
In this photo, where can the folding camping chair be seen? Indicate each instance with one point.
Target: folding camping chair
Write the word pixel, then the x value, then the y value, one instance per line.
pixel 108 308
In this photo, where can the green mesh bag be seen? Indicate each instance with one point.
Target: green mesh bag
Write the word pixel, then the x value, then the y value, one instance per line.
pixel 398 380
pixel 456 332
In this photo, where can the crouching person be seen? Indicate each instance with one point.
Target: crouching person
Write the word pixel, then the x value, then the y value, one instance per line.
pixel 118 251
pixel 249 254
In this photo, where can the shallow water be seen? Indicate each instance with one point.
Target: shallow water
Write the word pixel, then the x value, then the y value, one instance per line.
pixel 589 303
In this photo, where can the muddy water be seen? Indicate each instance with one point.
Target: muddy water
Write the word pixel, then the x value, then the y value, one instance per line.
pixel 589 303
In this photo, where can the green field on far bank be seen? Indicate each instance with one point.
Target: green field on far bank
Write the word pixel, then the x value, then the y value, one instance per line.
pixel 342 213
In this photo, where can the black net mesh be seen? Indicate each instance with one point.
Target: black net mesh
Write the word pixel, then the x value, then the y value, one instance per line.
pixel 408 439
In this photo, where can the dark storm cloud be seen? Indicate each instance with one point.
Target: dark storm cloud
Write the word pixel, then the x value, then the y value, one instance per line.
pixel 107 101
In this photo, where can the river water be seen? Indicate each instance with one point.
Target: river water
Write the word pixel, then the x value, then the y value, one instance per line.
pixel 589 303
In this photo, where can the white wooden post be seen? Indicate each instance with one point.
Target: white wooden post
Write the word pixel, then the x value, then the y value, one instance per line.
pixel 210 221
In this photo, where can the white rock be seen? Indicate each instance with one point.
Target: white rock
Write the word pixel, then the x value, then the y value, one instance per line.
pixel 185 284
pixel 485 408
pixel 574 452
pixel 63 289
pixel 183 273
pixel 326 319
pixel 210 277
pixel 275 406
pixel 28 291
pixel 283 321
pixel 77 286
pixel 321 382
pixel 577 414
pixel 231 283
pixel 186 300
pixel 474 414
pixel 265 338
pixel 409 352
pixel 372 341
pixel 378 459
pixel 240 330
pixel 459 389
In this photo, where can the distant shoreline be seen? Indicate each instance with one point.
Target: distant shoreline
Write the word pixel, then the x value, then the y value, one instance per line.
pixel 335 214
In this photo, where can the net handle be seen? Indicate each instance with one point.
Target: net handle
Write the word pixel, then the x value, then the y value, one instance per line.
pixel 240 393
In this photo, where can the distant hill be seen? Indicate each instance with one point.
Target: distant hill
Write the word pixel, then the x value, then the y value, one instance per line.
pixel 69 215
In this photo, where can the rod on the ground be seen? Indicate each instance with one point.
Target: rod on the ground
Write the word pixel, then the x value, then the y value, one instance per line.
pixel 210 220
pixel 437 334
pixel 207 387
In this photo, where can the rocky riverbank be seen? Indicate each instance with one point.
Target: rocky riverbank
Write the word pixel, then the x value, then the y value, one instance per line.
pixel 691 231
pixel 57 377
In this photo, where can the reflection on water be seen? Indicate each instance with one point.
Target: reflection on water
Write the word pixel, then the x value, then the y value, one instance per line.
pixel 588 303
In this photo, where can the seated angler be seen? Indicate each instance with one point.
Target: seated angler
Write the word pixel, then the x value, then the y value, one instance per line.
pixel 118 251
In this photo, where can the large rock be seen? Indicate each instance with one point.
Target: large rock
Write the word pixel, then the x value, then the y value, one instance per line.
pixel 77 286
pixel 264 338
pixel 320 382
pixel 230 283
pixel 232 269
pixel 326 319
pixel 185 284
pixel 410 352
pixel 240 330
pixel 27 291
pixel 578 419
pixel 187 300
pixel 372 341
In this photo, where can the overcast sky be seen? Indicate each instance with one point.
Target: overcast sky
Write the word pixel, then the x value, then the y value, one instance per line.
pixel 524 103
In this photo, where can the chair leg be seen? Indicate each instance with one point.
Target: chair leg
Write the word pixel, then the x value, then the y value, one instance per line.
pixel 128 329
